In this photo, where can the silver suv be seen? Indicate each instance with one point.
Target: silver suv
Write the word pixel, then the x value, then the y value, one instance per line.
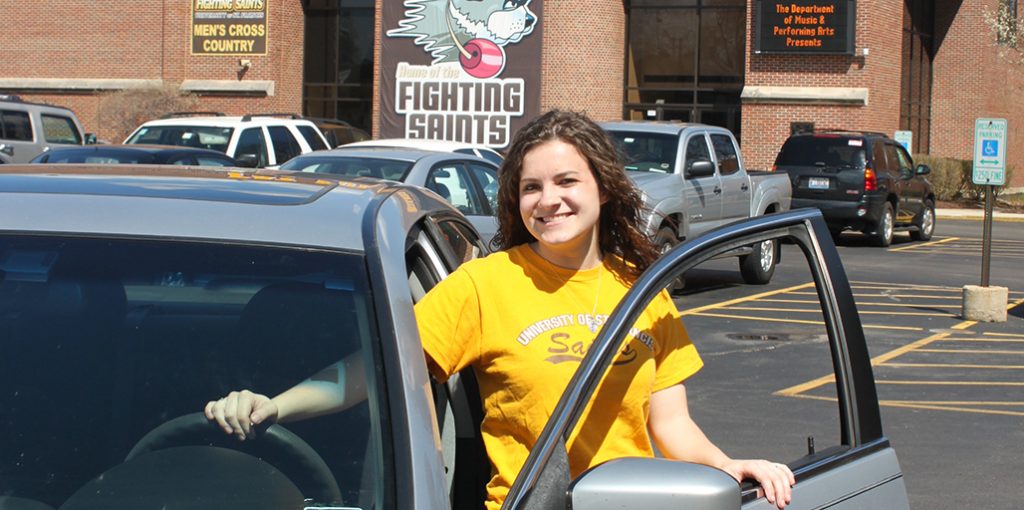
pixel 253 140
pixel 30 129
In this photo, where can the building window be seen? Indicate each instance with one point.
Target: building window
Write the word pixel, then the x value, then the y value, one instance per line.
pixel 338 75
pixel 916 82
pixel 685 61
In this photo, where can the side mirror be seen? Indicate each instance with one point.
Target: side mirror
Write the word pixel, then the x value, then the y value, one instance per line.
pixel 701 168
pixel 90 139
pixel 923 169
pixel 7 149
pixel 660 484
pixel 248 160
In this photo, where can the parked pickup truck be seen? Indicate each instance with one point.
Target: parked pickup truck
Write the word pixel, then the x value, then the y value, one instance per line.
pixel 693 180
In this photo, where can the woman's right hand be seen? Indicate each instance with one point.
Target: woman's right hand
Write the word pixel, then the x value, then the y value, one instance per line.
pixel 239 411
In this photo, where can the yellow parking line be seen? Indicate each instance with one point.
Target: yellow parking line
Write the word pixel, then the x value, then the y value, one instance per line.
pixel 953 365
pixel 968 351
pixel 1014 335
pixel 859 303
pixel 955 409
pixel 932 243
pixel 712 306
pixel 886 295
pixel 798 321
pixel 987 340
pixel 818 311
pixel 899 382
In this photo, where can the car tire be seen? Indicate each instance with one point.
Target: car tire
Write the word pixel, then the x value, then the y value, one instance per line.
pixel 665 240
pixel 882 235
pixel 758 267
pixel 925 223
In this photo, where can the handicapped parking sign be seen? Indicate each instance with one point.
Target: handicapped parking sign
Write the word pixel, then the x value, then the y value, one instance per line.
pixel 989 152
pixel 990 148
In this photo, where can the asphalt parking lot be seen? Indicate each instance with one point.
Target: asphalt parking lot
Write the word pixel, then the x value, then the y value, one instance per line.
pixel 951 390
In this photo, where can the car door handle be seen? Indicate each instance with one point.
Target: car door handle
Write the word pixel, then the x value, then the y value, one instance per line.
pixel 717 190
pixel 744 187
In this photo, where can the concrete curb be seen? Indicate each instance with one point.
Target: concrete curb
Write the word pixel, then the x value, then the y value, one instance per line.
pixel 976 214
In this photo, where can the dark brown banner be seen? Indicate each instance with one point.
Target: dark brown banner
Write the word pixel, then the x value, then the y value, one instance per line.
pixel 229 27
pixel 460 70
pixel 805 26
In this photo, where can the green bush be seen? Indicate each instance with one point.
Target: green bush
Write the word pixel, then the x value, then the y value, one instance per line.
pixel 952 178
pixel 947 175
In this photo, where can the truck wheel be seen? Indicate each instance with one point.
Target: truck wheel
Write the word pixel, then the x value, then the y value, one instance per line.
pixel 665 240
pixel 758 267
pixel 925 223
pixel 883 230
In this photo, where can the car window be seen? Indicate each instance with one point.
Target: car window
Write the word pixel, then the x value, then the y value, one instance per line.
pixel 183 160
pixel 312 137
pixel 460 240
pixel 725 153
pixel 643 152
pixel 487 178
pixel 285 145
pixel 252 142
pixel 822 150
pixel 124 336
pixel 452 182
pixel 59 129
pixel 203 137
pixel 906 166
pixel 213 161
pixel 15 125
pixel 697 150
pixel 380 168
pixel 878 157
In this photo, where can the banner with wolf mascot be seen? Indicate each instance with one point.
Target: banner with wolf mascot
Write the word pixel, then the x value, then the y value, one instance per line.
pixel 460 70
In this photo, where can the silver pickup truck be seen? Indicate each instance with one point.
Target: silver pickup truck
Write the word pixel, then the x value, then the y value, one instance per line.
pixel 693 180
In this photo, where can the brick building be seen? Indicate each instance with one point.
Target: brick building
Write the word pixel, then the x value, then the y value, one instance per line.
pixel 921 66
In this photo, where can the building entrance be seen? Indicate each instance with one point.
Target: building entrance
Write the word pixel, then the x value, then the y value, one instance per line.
pixel 338 70
pixel 685 61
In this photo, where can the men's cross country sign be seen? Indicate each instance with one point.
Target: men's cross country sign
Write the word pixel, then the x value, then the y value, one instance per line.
pixel 229 27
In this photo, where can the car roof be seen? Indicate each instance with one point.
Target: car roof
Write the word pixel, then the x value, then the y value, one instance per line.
pixel 226 121
pixel 416 143
pixel 167 201
pixel 145 148
pixel 665 127
pixel 394 153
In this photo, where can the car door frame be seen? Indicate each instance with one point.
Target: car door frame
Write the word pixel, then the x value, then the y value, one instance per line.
pixel 864 455
pixel 702 196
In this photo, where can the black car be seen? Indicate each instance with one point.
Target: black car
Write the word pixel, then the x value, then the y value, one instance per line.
pixel 861 181
pixel 137 154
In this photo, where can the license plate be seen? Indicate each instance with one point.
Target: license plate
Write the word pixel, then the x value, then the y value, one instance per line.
pixel 817 183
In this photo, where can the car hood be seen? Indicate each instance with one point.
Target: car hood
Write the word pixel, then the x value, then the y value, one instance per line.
pixel 654 185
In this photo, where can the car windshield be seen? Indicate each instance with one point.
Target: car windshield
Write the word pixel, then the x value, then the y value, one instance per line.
pixel 643 152
pixel 97 157
pixel 339 164
pixel 203 137
pixel 105 342
pixel 822 150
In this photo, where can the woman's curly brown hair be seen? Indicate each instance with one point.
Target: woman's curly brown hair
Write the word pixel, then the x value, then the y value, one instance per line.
pixel 620 232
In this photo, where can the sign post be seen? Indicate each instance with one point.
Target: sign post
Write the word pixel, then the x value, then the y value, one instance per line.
pixel 989 170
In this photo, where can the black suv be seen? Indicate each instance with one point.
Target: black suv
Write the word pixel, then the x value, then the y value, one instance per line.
pixel 861 181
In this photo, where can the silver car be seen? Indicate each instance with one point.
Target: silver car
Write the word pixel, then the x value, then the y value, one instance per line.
pixel 129 296
pixel 468 182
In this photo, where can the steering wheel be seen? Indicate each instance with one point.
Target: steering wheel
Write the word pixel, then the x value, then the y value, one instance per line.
pixel 277 445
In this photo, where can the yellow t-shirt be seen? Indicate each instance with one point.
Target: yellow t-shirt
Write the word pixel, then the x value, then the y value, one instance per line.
pixel 522 324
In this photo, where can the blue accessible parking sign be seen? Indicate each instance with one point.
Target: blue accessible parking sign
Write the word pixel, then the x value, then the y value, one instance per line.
pixel 989 152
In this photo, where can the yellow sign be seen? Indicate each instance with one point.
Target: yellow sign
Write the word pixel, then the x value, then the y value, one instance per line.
pixel 229 27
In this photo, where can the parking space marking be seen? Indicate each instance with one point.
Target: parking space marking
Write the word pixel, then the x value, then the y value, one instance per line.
pixel 967 246
pixel 922 245
pixel 884 364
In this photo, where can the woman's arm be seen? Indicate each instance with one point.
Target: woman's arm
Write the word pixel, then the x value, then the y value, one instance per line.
pixel 335 388
pixel 678 437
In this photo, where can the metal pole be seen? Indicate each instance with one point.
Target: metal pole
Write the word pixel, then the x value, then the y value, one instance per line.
pixel 986 244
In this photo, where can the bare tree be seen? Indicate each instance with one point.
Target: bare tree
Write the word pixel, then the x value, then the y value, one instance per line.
pixel 121 112
pixel 1008 29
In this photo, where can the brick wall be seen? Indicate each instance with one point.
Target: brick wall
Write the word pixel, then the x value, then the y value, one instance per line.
pixel 143 40
pixel 766 126
pixel 972 80
pixel 582 59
